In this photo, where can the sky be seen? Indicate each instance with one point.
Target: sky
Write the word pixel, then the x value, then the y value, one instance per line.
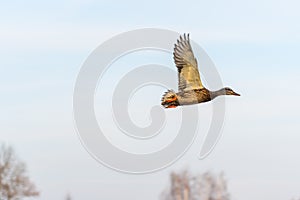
pixel 254 45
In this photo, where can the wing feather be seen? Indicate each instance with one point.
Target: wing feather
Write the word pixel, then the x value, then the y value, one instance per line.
pixel 186 63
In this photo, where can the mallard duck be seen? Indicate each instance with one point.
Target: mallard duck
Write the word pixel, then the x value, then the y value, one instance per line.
pixel 190 88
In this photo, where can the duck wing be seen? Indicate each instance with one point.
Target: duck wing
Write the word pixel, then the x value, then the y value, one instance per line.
pixel 186 63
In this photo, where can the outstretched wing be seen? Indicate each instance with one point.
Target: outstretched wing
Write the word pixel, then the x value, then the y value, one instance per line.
pixel 186 63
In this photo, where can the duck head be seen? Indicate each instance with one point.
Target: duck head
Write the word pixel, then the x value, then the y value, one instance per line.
pixel 170 99
pixel 229 91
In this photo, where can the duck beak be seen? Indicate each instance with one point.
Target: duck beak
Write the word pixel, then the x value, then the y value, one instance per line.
pixel 236 94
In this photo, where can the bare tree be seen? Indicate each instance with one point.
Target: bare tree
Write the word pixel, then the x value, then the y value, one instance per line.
pixel 14 182
pixel 68 197
pixel 205 186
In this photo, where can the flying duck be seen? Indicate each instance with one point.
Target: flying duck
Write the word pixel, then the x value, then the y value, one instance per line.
pixel 190 88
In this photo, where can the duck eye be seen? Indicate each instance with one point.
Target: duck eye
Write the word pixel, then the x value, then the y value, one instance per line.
pixel 172 96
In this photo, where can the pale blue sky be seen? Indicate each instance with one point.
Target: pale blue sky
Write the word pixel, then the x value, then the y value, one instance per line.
pixel 254 44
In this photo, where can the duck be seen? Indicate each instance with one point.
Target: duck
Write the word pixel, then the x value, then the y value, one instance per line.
pixel 190 88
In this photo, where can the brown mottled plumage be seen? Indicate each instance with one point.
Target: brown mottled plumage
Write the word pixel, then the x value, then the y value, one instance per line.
pixel 190 88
